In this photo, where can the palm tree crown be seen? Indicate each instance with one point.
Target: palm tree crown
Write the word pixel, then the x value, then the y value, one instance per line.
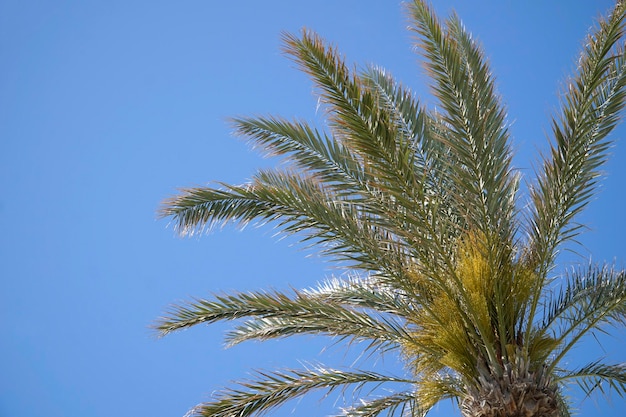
pixel 448 268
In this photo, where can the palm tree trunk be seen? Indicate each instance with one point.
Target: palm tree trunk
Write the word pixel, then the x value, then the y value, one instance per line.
pixel 517 393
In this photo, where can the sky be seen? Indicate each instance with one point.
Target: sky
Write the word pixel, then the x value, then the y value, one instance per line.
pixel 107 107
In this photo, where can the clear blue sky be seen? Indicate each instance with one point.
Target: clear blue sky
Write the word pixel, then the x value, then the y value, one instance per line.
pixel 107 106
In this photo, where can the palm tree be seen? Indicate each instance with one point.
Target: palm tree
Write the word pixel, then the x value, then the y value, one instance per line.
pixel 448 269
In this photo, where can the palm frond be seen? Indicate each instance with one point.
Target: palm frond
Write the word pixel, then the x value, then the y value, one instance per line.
pixel 590 111
pixel 307 148
pixel 366 293
pixel 298 205
pixel 594 296
pixel 402 404
pixel 359 122
pixel 597 376
pixel 569 178
pixel 426 142
pixel 271 390
pixel 475 117
pixel 199 209
pixel 277 314
pixel 409 117
pixel 354 115
pixel 382 334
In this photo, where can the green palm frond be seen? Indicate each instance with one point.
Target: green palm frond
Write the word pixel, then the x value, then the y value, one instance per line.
pixel 202 208
pixel 593 297
pixel 402 403
pixel 279 315
pixel 590 111
pixel 307 148
pixel 358 310
pixel 367 293
pixel 404 110
pixel 297 204
pixel 586 290
pixel 413 123
pixel 353 113
pixel 477 135
pixel 361 124
pixel 431 154
pixel 568 178
pixel 270 390
pixel 380 333
pixel 597 376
